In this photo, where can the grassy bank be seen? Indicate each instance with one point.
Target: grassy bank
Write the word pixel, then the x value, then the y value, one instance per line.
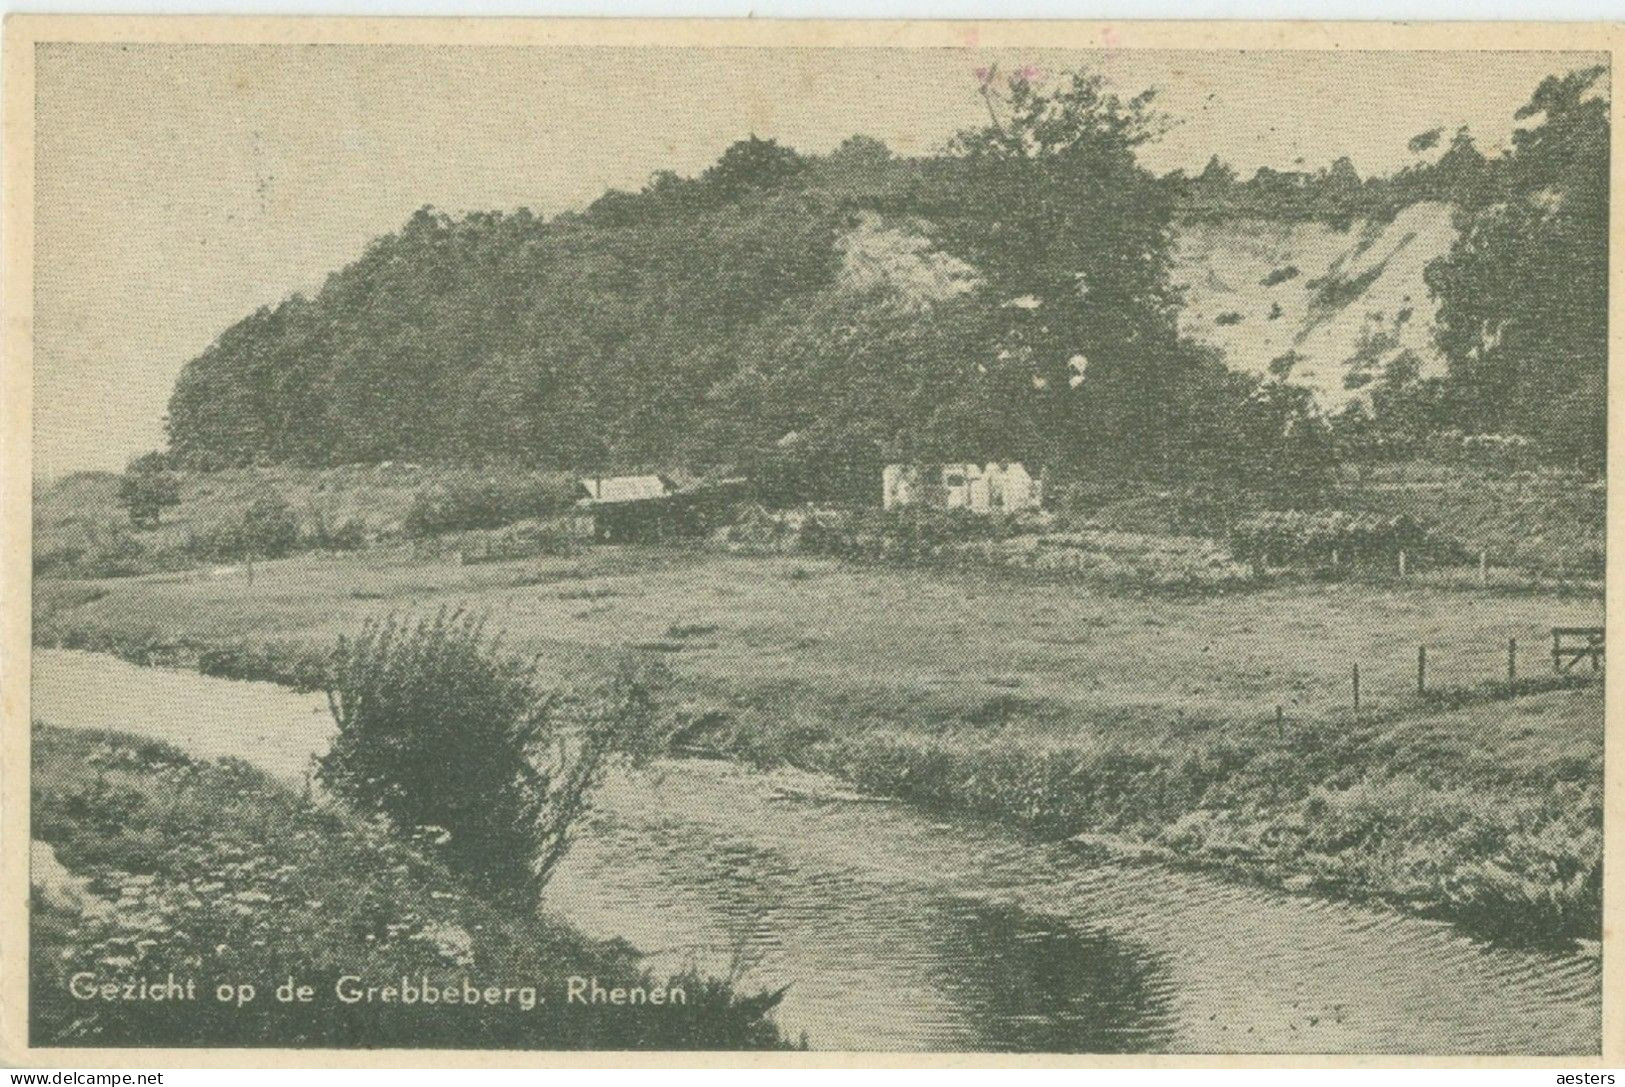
pixel 1072 709
pixel 148 863
pixel 1407 810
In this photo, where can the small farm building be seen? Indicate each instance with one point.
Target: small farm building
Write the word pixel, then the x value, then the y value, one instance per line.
pixel 989 488
pixel 626 509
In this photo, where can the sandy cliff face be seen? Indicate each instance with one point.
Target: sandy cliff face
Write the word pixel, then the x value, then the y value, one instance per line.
pixel 1321 307
pixel 1325 308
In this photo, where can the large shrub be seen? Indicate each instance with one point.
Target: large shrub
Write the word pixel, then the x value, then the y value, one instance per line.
pixel 1286 536
pixel 146 488
pixel 445 735
pixel 486 503
pixel 267 528
pixel 270 527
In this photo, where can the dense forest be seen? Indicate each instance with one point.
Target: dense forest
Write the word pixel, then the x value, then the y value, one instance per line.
pixel 810 317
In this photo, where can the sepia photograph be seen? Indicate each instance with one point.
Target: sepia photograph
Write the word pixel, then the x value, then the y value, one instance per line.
pixel 1046 543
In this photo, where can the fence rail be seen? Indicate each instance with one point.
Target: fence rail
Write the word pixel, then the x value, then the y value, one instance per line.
pixel 1461 675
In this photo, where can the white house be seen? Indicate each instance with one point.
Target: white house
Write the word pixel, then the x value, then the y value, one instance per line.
pixel 982 489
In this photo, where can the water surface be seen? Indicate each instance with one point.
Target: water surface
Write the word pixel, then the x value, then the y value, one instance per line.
pixel 900 930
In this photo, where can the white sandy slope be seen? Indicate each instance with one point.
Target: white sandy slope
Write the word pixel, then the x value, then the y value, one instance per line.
pixel 1357 302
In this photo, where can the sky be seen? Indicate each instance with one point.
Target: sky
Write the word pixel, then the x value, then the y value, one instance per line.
pixel 179 188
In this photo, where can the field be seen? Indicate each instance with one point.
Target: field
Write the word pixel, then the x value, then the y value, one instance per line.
pixel 1061 657
pixel 1141 717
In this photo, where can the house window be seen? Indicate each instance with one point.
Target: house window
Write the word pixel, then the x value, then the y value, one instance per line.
pixel 953 479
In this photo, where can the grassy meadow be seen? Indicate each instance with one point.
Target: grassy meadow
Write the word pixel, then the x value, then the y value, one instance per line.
pixel 1136 717
pixel 1041 658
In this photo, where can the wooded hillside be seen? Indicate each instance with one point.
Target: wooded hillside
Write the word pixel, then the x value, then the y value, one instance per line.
pixel 1013 296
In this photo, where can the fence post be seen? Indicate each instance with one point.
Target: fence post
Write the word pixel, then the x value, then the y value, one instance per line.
pixel 1280 724
pixel 1356 688
pixel 1402 563
pixel 1421 669
pixel 1483 567
pixel 1512 661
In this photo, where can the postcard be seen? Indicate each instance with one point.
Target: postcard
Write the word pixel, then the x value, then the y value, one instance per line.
pixel 808 542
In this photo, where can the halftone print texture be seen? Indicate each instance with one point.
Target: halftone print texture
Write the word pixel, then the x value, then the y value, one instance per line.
pixel 927 550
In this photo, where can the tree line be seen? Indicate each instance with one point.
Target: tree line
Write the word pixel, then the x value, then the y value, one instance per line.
pixel 706 321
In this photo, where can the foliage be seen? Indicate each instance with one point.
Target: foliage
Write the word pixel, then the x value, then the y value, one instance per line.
pixel 1334 194
pixel 269 527
pixel 1550 522
pixel 711 322
pixel 96 551
pixel 583 341
pixel 323 533
pixel 215 872
pixel 486 503
pixel 1524 292
pixel 437 728
pixel 1296 536
pixel 147 487
pixel 1048 201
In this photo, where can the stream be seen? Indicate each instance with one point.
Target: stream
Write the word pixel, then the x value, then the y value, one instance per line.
pixel 901 930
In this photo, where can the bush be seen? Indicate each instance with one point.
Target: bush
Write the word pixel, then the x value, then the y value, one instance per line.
pixel 158 862
pixel 489 503
pixel 145 490
pixel 324 534
pixel 1285 536
pixel 439 731
pixel 267 528
pixel 95 551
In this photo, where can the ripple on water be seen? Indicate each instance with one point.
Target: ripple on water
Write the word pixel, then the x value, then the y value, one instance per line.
pixel 900 931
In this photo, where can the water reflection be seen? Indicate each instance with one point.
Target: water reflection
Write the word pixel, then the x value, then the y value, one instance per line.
pixel 898 931
pixel 870 965
pixel 1029 984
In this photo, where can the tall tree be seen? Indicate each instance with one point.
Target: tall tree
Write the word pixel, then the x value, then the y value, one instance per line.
pixel 1523 317
pixel 1049 202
